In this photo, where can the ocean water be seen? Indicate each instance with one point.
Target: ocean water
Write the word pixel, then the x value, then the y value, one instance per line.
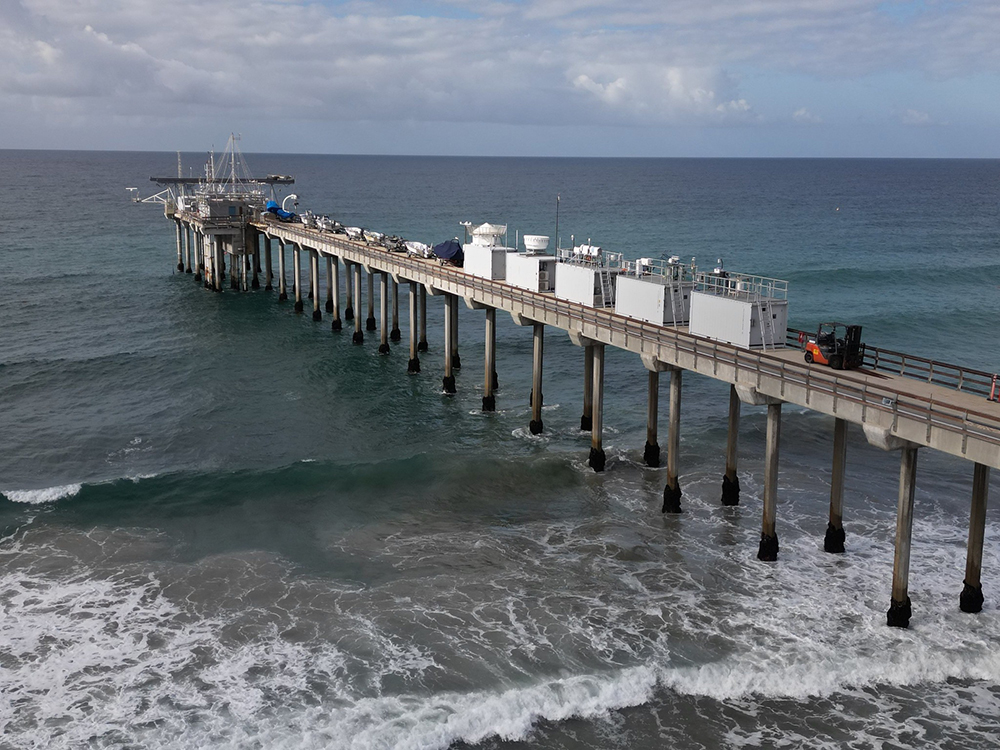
pixel 223 525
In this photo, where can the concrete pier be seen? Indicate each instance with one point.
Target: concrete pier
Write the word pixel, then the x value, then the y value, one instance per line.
pixel 330 260
pixel 413 366
pixel 490 367
pixel 180 252
pixel 834 540
pixel 359 337
pixel 587 420
pixel 314 282
pixel 370 324
pixel 297 273
pixel 456 360
pixel 394 333
pixel 768 550
pixel 282 284
pixel 199 250
pixel 900 612
pixel 334 269
pixel 383 347
pixel 449 326
pixel 422 332
pixel 971 599
pixel 255 258
pixel 187 248
pixel 651 451
pixel 234 272
pixel 538 351
pixel 672 490
pixel 348 293
pixel 731 482
pixel 597 458
pixel 268 271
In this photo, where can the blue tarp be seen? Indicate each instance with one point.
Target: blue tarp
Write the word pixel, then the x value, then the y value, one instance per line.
pixel 274 208
pixel 451 250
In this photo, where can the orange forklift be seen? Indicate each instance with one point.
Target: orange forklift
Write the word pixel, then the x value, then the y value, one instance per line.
pixel 837 345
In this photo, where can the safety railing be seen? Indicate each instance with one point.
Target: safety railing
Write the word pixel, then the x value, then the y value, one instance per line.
pixel 750 366
pixel 947 375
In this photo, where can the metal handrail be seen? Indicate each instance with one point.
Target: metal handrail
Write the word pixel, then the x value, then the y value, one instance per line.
pixel 842 386
pixel 956 377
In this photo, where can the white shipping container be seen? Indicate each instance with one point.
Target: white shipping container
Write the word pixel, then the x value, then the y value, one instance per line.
pixel 486 262
pixel 654 299
pixel 582 283
pixel 533 272
pixel 736 321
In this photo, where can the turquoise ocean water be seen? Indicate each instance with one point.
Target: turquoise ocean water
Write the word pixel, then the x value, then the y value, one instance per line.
pixel 225 526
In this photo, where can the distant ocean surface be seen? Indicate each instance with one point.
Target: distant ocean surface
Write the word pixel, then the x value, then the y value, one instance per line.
pixel 223 525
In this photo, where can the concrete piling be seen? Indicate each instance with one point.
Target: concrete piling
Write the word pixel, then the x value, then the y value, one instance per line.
pixel 456 360
pixel 768 550
pixel 348 293
pixel 383 347
pixel 314 282
pixel 449 325
pixel 597 458
pixel 359 337
pixel 413 366
pixel 971 599
pixel 333 268
pixel 422 332
pixel 329 283
pixel 394 333
pixel 672 490
pixel 268 272
pixel 834 540
pixel 370 320
pixel 199 250
pixel 180 252
pixel 731 482
pixel 297 274
pixel 282 285
pixel 490 368
pixel 900 612
pixel 586 421
pixel 651 451
pixel 538 351
pixel 255 258
pixel 187 248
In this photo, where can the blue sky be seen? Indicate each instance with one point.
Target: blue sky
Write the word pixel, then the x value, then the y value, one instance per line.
pixel 916 78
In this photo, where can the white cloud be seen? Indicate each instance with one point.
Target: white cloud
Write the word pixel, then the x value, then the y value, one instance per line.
pixel 805 117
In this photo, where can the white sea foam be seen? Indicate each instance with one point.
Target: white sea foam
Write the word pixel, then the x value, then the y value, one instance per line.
pixel 42 496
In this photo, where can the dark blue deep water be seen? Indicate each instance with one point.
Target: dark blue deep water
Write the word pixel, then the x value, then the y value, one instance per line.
pixel 225 526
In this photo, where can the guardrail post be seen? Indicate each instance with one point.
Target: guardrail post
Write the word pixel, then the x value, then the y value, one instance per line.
pixel 370 320
pixel 597 458
pixel 899 612
pixel 394 334
pixel 730 481
pixel 413 366
pixel 834 540
pixel 586 421
pixel 672 491
pixel 651 451
pixel 768 550
pixel 995 389
pixel 971 599
pixel 490 373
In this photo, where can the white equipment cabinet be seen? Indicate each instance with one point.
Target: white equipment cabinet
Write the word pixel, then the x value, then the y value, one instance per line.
pixel 656 291
pixel 586 275
pixel 747 311
pixel 486 256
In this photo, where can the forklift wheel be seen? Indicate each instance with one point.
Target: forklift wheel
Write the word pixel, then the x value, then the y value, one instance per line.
pixel 837 362
pixel 809 357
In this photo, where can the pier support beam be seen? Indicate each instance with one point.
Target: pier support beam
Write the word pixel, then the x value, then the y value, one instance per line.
pixel 413 366
pixel 234 271
pixel 768 550
pixel 180 252
pixel 422 333
pixel 597 458
pixel 538 350
pixel 672 491
pixel 971 599
pixel 731 482
pixel 900 612
pixel 187 248
pixel 255 259
pixel 314 282
pixel 297 273
pixel 359 337
pixel 834 540
pixel 268 272
pixel 383 347
pixel 370 321
pixel 348 293
pixel 449 326
pixel 282 285
pixel 490 369
pixel 199 249
pixel 333 269
pixel 651 451
pixel 395 334
pixel 329 283
pixel 586 421
pixel 219 269
pixel 456 360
